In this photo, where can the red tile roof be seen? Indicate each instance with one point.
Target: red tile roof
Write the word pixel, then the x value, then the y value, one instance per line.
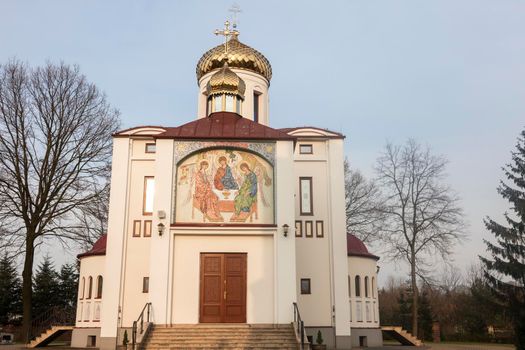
pixel 99 248
pixel 355 247
pixel 225 125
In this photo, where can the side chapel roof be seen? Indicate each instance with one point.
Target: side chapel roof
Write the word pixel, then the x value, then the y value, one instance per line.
pixel 356 247
pixel 99 248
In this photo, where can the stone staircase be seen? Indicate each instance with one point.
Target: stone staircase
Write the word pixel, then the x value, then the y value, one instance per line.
pixel 220 336
pixel 402 336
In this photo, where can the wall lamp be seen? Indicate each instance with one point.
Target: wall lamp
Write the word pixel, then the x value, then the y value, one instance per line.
pixel 285 230
pixel 160 227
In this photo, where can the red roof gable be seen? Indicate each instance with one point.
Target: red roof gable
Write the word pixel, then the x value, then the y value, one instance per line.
pixel 224 125
pixel 355 247
pixel 99 248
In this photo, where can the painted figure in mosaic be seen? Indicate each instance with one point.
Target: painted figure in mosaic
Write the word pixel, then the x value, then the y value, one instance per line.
pixel 204 198
pixel 223 177
pixel 246 196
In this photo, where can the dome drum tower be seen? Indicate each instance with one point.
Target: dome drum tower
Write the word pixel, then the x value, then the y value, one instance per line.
pixel 216 70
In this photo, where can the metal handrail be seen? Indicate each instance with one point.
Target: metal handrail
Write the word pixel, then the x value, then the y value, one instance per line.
pixel 300 324
pixel 140 321
pixel 55 316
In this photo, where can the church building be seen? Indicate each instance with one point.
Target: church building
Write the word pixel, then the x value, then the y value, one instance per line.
pixel 227 222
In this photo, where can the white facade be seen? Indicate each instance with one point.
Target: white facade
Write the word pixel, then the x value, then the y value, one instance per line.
pixel 297 254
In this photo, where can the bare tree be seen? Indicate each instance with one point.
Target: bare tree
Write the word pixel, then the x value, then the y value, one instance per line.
pixel 55 151
pixel 364 213
pixel 423 216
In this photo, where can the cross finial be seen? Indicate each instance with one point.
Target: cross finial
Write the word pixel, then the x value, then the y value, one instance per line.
pixel 235 9
pixel 227 33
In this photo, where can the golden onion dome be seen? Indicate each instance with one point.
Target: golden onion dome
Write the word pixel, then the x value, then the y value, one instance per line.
pixel 239 56
pixel 225 81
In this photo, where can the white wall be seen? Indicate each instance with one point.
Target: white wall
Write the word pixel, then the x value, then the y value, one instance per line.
pixel 186 273
pixel 89 309
pixel 363 267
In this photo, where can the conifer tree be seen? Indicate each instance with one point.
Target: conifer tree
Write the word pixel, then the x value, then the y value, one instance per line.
pixel 68 281
pixel 505 269
pixel 10 291
pixel 46 287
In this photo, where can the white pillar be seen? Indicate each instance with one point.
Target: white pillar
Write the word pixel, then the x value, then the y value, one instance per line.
pixel 338 237
pixel 118 204
pixel 160 276
pixel 285 271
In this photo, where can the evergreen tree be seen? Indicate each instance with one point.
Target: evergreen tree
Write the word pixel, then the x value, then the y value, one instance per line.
pixel 68 282
pixel 46 288
pixel 404 311
pixel 10 291
pixel 425 317
pixel 505 269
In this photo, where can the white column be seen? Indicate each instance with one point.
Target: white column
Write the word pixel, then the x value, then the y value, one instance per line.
pixel 285 271
pixel 118 204
pixel 160 276
pixel 338 237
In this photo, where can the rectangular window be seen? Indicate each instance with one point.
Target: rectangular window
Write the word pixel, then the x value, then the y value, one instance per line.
pixel 151 148
pixel 306 149
pixel 350 302
pixel 136 228
pixel 145 285
pixel 256 106
pixel 229 103
pixel 305 196
pixel 367 308
pixel 375 314
pixel 305 286
pixel 96 311
pixel 87 312
pixel 79 312
pixel 308 229
pixel 147 228
pixel 298 229
pixel 217 103
pixel 319 229
pixel 149 192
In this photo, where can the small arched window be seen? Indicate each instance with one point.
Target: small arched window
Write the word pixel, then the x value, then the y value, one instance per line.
pixel 373 287
pixel 357 286
pixel 366 287
pixel 82 287
pixel 99 287
pixel 90 287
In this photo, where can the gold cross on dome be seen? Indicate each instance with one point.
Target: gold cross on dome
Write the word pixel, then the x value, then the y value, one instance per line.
pixel 227 33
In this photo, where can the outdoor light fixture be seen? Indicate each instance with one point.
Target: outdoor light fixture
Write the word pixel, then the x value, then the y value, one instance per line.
pixel 285 230
pixel 160 227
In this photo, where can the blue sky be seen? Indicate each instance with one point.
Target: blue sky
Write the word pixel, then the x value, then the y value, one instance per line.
pixel 449 73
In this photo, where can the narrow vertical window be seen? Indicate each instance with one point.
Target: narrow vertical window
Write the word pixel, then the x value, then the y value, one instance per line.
pixel 373 287
pixel 145 285
pixel 256 106
pixel 319 229
pixel 238 105
pixel 349 286
pixel 366 286
pixel 136 228
pixel 99 287
pixel 359 311
pixel 90 287
pixel 357 286
pixel 298 229
pixel 83 287
pixel 149 192
pixel 217 103
pixel 308 229
pixel 305 196
pixel 147 228
pixel 229 103
pixel 208 106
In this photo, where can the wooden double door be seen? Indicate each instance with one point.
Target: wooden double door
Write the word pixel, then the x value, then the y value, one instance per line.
pixel 222 288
